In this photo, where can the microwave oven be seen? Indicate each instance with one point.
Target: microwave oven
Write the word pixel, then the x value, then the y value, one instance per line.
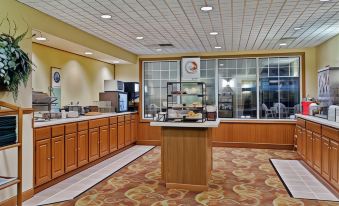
pixel 113 86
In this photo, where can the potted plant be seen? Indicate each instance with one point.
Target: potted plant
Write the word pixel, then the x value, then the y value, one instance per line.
pixel 15 65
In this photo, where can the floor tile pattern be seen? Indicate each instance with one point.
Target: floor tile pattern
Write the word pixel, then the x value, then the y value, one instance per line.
pixel 77 184
pixel 300 182
pixel 239 177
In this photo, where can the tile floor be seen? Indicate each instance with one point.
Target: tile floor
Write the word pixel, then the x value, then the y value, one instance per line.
pixel 79 183
pixel 300 182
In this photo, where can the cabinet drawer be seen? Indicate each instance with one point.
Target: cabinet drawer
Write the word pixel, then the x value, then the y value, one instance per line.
pixel 121 118
pixel 58 130
pixel 113 120
pixel 82 126
pixel 314 127
pixel 330 133
pixel 71 128
pixel 127 117
pixel 42 133
pixel 98 122
pixel 301 122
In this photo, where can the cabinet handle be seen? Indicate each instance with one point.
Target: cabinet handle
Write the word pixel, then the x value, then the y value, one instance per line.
pixel 48 158
pixel 79 149
pixel 53 157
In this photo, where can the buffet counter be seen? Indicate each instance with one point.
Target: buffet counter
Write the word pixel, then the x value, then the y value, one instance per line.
pixel 78 119
pixel 186 154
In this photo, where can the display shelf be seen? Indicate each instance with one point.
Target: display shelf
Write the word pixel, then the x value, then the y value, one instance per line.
pixel 186 94
pixel 12 110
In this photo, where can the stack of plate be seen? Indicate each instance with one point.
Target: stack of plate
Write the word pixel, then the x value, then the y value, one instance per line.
pixel 7 130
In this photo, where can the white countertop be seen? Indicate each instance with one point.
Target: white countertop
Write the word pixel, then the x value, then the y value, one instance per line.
pixel 319 120
pixel 79 119
pixel 206 124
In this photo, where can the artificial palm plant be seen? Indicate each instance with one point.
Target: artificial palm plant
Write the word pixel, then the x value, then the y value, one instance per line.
pixel 15 65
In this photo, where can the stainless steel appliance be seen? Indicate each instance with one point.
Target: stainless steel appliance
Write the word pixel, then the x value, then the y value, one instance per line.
pixel 42 101
pixel 328 88
pixel 119 100
pixel 113 86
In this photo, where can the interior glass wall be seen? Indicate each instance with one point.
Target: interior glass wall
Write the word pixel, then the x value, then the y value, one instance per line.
pixel 279 93
pixel 247 88
pixel 155 78
pixel 237 88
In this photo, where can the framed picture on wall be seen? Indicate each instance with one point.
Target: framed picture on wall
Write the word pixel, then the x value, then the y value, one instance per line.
pixel 55 89
pixel 190 69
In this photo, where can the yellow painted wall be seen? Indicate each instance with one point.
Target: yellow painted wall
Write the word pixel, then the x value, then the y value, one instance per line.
pixel 8 163
pixel 82 77
pixel 310 62
pixel 127 72
pixel 328 53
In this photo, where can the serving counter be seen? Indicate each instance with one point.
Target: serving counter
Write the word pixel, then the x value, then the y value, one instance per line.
pixel 186 154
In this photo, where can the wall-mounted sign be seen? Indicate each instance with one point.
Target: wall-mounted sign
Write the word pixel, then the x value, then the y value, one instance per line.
pixel 55 89
pixel 190 69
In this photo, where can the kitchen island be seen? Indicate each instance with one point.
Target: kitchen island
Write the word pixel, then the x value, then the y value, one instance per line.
pixel 186 154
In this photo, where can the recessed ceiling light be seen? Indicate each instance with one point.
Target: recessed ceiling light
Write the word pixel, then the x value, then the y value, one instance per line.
pixel 88 53
pixel 217 47
pixel 158 50
pixel 206 8
pixel 41 38
pixel 139 37
pixel 213 33
pixel 324 0
pixel 106 16
pixel 282 44
pixel 297 28
pixel 116 62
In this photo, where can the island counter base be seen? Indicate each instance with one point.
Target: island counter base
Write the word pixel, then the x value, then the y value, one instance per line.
pixel 186 157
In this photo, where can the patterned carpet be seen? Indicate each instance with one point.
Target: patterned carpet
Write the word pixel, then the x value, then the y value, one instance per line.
pixel 239 177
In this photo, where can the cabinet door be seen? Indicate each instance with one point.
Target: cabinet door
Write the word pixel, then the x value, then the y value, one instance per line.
pixel 299 140
pixel 303 143
pixel 42 161
pixel 316 144
pixel 121 135
pixel 58 156
pixel 325 155
pixel 309 151
pixel 128 132
pixel 133 131
pixel 113 137
pixel 104 141
pixel 93 145
pixel 334 146
pixel 71 152
pixel 82 148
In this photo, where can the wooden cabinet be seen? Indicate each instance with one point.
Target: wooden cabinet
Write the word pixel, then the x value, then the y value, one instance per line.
pixel 127 133
pixel 299 139
pixel 113 137
pixel 303 143
pixel 42 161
pixel 82 148
pixel 325 155
pixel 134 131
pixel 104 141
pixel 316 148
pixel 93 144
pixel 58 155
pixel 121 135
pixel 71 152
pixel 334 176
pixel 309 151
pixel 63 148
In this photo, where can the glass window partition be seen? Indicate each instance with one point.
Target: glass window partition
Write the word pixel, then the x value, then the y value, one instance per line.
pixel 237 88
pixel 155 78
pixel 208 74
pixel 279 92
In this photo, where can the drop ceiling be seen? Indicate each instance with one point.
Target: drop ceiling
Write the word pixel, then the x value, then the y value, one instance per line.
pixel 241 24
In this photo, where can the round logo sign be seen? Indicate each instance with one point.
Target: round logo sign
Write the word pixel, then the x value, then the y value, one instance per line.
pixel 56 77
